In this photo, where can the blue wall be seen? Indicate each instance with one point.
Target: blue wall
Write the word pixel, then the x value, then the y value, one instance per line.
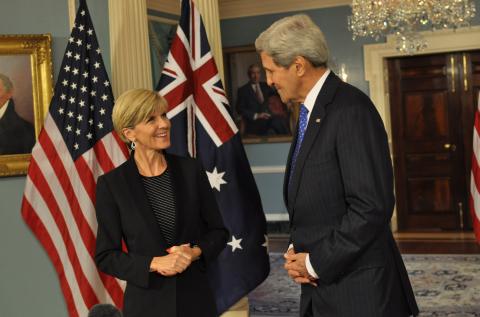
pixel 29 284
pixel 333 23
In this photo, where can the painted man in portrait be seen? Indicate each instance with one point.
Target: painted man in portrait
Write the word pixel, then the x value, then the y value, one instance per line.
pixel 17 136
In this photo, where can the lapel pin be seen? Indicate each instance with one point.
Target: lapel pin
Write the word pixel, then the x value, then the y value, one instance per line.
pixel 317 120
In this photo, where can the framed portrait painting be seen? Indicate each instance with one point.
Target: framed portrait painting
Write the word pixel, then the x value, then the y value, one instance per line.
pixel 25 93
pixel 260 114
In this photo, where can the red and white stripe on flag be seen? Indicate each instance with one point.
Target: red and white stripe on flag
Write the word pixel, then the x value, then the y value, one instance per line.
pixel 58 205
pixel 475 175
pixel 75 147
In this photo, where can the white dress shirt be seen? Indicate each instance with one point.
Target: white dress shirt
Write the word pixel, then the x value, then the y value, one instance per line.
pixel 3 109
pixel 309 102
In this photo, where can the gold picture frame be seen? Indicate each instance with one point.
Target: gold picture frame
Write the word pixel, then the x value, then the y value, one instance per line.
pixel 26 61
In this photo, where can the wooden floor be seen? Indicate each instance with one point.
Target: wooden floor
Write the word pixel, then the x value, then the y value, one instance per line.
pixel 412 242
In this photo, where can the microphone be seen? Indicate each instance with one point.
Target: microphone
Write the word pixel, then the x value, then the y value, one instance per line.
pixel 104 310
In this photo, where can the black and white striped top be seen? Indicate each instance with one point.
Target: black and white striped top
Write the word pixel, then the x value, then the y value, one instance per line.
pixel 160 194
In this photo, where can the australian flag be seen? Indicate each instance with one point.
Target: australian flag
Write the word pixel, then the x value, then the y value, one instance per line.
pixel 202 127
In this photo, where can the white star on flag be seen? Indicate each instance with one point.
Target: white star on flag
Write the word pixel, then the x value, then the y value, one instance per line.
pixel 216 179
pixel 235 244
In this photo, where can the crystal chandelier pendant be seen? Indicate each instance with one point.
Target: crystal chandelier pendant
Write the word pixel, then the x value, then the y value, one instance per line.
pixel 410 43
pixel 406 18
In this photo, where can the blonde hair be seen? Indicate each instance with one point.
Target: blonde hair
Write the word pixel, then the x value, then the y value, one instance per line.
pixel 135 106
pixel 294 36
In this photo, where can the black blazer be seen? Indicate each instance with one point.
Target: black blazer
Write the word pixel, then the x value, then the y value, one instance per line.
pixel 247 103
pixel 123 212
pixel 340 203
pixel 17 136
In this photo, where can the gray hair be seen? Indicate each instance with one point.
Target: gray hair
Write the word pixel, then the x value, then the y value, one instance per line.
pixel 7 83
pixel 294 36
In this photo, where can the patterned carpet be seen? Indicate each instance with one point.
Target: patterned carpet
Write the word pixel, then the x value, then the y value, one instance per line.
pixel 444 286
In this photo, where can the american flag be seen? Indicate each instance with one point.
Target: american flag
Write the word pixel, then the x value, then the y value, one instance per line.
pixel 75 147
pixel 202 127
pixel 475 175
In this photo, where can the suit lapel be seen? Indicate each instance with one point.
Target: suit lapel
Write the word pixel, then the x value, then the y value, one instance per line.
pixel 140 200
pixel 324 98
pixel 287 168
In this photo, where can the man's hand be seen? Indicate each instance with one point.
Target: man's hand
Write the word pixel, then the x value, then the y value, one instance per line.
pixel 297 268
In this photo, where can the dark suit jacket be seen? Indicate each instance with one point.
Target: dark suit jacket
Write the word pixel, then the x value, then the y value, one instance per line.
pixel 247 103
pixel 340 203
pixel 17 136
pixel 123 212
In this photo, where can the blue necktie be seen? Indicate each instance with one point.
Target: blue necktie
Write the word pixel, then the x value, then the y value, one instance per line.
pixel 302 126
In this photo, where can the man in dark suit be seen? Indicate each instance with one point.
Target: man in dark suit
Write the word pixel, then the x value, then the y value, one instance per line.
pixel 17 136
pixel 252 105
pixel 338 184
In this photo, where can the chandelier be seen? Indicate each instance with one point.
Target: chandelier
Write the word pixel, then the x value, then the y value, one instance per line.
pixel 405 18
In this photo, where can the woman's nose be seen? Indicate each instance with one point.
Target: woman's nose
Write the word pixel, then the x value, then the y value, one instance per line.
pixel 163 122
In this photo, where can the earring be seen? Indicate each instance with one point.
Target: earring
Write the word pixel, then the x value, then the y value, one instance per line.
pixel 132 146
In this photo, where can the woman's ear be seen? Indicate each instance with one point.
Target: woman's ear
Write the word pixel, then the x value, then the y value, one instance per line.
pixel 129 134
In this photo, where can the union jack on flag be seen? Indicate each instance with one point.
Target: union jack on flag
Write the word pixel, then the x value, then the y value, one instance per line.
pixel 202 127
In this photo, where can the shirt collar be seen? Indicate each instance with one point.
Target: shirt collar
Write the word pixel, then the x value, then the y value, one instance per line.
pixel 313 93
pixel 3 109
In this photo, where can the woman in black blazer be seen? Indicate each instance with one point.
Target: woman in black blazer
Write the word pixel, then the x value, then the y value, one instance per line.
pixel 163 208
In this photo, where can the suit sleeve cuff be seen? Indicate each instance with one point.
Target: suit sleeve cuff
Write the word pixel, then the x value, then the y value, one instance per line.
pixel 309 266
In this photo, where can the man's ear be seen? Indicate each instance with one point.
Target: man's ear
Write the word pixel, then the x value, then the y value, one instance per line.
pixel 300 65
pixel 11 92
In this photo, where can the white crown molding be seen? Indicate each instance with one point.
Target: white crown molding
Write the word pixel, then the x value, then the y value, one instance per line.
pixel 230 9
pixel 273 169
pixel 375 55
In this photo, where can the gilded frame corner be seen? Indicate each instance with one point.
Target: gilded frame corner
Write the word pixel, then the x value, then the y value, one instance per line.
pixel 38 51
